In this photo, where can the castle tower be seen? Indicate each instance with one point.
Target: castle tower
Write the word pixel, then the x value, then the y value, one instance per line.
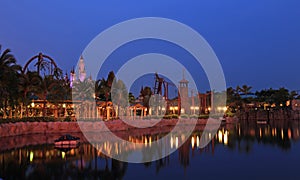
pixel 81 69
pixel 184 95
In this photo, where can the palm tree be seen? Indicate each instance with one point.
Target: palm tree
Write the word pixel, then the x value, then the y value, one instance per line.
pixel 45 88
pixel 8 80
pixel 28 85
pixel 245 89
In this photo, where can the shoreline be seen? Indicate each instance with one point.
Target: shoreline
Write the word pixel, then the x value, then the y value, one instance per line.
pixel 17 135
pixel 26 128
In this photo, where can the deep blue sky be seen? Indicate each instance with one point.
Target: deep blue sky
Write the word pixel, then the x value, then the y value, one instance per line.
pixel 257 42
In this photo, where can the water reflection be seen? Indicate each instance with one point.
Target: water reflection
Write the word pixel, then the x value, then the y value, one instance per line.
pixel 86 161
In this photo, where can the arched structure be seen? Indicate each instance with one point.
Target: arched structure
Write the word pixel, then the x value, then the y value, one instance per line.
pixel 41 63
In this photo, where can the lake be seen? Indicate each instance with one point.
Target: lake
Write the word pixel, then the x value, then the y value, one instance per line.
pixel 245 150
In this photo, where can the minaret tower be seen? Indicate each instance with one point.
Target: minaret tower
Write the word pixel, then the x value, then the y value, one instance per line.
pixel 81 69
pixel 184 95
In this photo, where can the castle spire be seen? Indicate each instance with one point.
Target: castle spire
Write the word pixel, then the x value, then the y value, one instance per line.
pixel 81 69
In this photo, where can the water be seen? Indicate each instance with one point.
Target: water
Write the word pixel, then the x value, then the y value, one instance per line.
pixel 241 151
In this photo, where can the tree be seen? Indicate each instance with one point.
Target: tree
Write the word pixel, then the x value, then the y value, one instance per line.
pixel 28 85
pixel 146 94
pixel 131 98
pixel 9 71
pixel 245 90
pixel 278 97
pixel 119 95
pixel 233 97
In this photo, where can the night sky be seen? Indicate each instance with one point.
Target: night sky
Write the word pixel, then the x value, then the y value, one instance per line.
pixel 257 42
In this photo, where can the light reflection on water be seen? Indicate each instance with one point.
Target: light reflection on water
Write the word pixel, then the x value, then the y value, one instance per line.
pixel 241 150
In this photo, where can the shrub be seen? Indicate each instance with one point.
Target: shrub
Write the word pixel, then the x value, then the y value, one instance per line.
pixel 184 116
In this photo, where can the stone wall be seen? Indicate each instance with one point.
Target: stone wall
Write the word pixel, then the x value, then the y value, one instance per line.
pixel 25 128
pixel 17 135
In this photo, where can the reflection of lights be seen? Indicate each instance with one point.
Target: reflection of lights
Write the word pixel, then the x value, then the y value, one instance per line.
pixel 220 136
pixel 116 148
pixel 63 154
pixel 282 135
pixel 150 141
pixel 72 152
pixel 171 142
pixel 31 156
pixel 146 140
pixel 260 132
pixel 163 109
pixel 239 131
pixel 32 104
pixel 182 137
pixel 226 137
pixel 176 142
pixel 198 141
pixel 64 105
pixel 209 136
pixel 193 142
pixel 209 108
pixel 289 133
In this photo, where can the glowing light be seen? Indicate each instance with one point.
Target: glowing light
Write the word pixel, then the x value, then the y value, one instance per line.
pixel 282 135
pixel 64 105
pixel 146 140
pixel 193 142
pixel 226 137
pixel 176 142
pixel 63 155
pixel 289 133
pixel 72 152
pixel 260 132
pixel 171 142
pixel 220 136
pixel 198 141
pixel 32 104
pixel 31 156
pixel 182 110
